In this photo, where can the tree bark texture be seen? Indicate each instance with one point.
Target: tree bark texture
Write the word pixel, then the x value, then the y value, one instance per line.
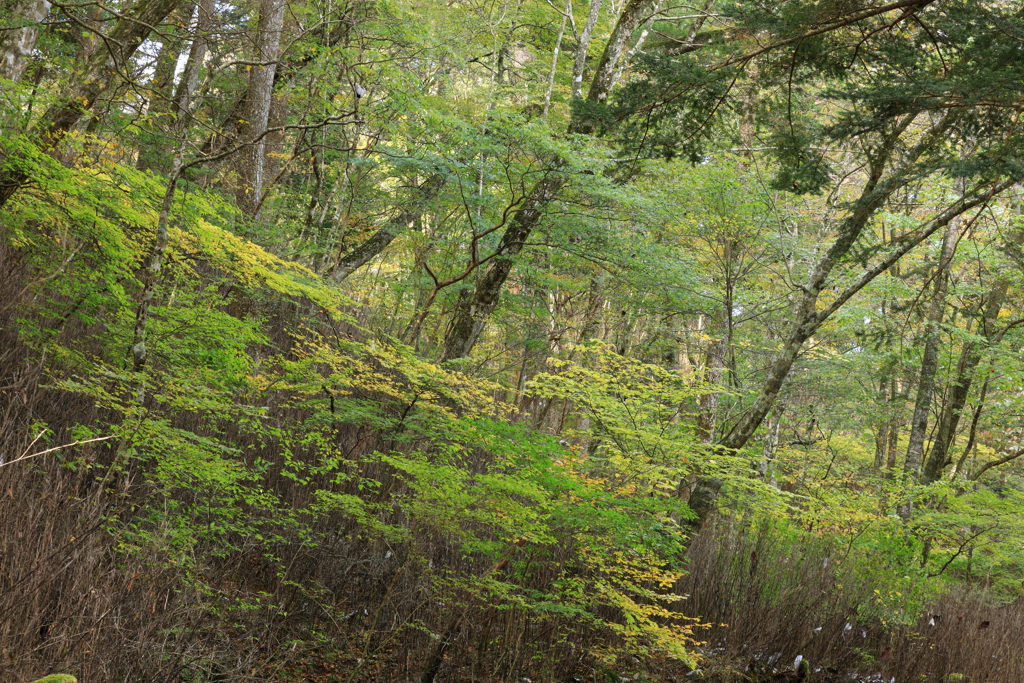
pixel 580 62
pixel 930 355
pixel 186 89
pixel 18 37
pixel 476 306
pixel 258 98
pixel 632 15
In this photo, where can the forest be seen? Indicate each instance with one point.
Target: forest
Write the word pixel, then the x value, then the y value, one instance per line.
pixel 526 341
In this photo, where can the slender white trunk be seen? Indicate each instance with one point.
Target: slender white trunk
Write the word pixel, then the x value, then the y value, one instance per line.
pixel 196 55
pixel 580 62
pixel 554 61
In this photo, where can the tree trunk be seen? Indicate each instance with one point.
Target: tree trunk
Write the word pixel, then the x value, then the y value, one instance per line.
pixel 639 42
pixel 970 357
pixel 356 258
pixel 807 319
pixel 771 442
pixel 151 274
pixel 580 62
pixel 896 401
pixel 714 365
pixel 18 39
pixel 186 89
pixel 257 110
pixel 882 430
pixel 473 308
pixel 618 44
pixel 152 151
pixel 930 357
pixel 554 61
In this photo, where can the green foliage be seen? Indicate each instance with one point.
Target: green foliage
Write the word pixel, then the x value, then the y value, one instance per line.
pixel 501 494
pixel 290 445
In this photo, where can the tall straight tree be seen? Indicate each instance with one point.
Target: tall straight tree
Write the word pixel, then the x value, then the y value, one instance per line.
pixel 930 355
pixel 258 97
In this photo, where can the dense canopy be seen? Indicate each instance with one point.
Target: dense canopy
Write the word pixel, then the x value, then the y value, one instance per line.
pixel 395 340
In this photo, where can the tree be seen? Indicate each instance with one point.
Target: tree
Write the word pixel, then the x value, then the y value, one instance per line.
pixel 19 39
pixel 96 75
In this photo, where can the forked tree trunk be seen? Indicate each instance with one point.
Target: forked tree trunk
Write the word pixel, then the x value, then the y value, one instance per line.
pixel 970 358
pixel 170 102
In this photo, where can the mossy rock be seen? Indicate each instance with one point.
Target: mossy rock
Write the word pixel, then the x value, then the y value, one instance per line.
pixel 57 678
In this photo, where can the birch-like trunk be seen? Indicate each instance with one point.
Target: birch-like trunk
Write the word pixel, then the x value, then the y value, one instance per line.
pixel 580 62
pixel 554 61
pixel 152 152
